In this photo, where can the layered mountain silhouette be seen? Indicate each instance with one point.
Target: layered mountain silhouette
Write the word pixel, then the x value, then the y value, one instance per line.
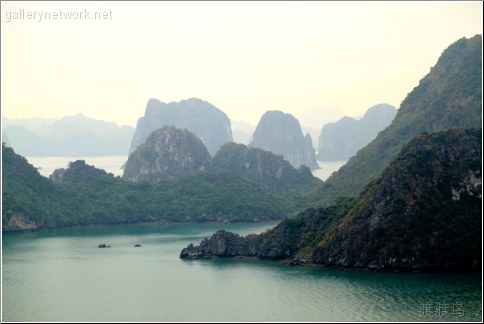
pixel 76 135
pixel 203 119
pixel 342 139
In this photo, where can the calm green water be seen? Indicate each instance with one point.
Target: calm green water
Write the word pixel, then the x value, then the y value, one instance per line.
pixel 63 276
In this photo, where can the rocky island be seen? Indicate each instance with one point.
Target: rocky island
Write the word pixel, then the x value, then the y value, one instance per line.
pixel 416 216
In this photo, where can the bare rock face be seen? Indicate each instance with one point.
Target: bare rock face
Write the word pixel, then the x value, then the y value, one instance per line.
pixel 169 153
pixel 203 119
pixel 281 134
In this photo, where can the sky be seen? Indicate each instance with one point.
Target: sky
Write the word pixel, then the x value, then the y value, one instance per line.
pixel 315 60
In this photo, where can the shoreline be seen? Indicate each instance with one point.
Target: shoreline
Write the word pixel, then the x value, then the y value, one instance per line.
pixel 144 224
pixel 296 263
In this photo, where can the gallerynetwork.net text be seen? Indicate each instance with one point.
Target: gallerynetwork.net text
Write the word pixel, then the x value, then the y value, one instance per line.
pixel 39 16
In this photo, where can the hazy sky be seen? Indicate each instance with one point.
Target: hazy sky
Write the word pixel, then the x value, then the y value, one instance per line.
pixel 315 60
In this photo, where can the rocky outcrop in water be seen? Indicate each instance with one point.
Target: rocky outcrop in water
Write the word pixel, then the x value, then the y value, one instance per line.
pixel 424 213
pixel 281 134
pixel 168 153
pixel 341 140
pixel 206 121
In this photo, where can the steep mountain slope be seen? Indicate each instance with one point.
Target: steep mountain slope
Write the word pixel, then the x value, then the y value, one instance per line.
pixel 199 117
pixel 341 140
pixel 168 153
pixel 281 134
pixel 271 171
pixel 423 213
pixel 450 96
pixel 27 198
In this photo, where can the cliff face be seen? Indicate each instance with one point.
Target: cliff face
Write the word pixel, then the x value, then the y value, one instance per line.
pixel 168 153
pixel 197 116
pixel 341 140
pixel 450 96
pixel 423 213
pixel 281 134
pixel 271 171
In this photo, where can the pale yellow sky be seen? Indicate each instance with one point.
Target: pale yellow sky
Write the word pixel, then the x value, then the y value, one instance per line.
pixel 315 60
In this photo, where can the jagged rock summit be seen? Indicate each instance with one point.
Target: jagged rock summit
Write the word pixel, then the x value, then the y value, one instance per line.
pixel 341 140
pixel 269 170
pixel 168 153
pixel 199 117
pixel 281 134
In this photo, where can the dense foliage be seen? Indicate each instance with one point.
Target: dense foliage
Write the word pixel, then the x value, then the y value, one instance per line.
pixel 85 195
pixel 423 213
pixel 269 170
pixel 450 96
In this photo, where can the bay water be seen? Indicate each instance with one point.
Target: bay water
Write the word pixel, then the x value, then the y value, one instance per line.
pixel 113 164
pixel 62 275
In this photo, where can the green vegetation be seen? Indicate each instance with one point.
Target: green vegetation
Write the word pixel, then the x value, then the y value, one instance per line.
pixel 450 96
pixel 423 213
pixel 168 153
pixel 84 195
pixel 269 170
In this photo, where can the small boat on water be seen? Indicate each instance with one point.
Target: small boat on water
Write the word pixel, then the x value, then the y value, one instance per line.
pixel 103 245
pixel 137 245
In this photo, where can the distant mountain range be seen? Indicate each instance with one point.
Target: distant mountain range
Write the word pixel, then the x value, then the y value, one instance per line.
pixel 410 200
pixel 173 153
pixel 76 135
pixel 242 131
pixel 341 140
